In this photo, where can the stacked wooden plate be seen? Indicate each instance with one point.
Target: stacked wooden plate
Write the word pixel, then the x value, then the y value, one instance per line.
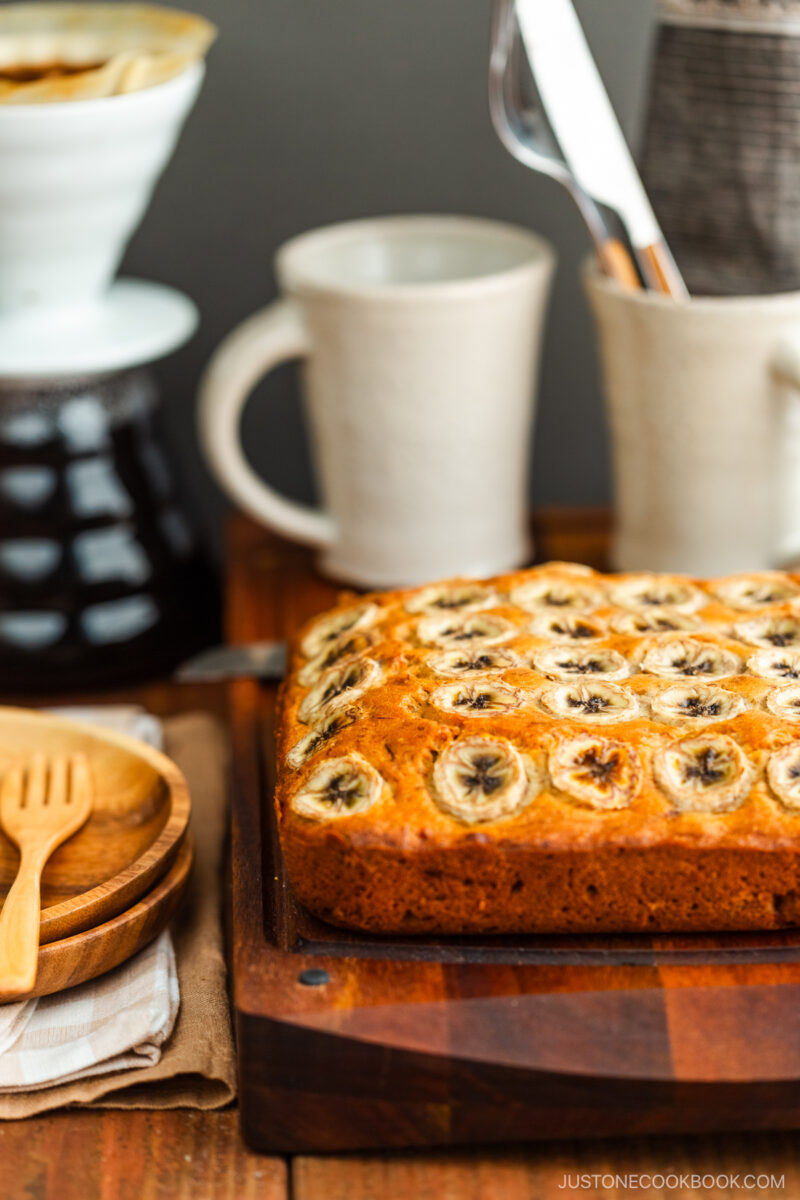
pixel 114 886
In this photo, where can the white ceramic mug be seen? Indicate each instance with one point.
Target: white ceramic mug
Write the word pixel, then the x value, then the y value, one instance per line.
pixel 420 338
pixel 705 428
pixel 75 181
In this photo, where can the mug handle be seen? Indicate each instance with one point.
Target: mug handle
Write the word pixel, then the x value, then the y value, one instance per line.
pixel 270 337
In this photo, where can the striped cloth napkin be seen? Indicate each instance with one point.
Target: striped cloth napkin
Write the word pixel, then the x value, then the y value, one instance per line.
pixel 114 1023
pixel 117 1022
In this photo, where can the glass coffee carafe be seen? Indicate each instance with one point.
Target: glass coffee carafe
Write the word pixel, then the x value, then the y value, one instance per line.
pixel 101 577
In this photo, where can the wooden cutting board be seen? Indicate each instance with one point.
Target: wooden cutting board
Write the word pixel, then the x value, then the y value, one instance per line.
pixel 353 1042
pixel 139 820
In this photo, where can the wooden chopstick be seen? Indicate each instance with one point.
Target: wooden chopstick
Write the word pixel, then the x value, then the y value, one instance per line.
pixel 660 271
pixel 617 262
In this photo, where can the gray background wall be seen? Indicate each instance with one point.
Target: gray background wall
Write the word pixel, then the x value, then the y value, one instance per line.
pixel 319 110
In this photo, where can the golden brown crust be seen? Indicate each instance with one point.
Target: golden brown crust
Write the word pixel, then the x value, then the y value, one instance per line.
pixel 626 785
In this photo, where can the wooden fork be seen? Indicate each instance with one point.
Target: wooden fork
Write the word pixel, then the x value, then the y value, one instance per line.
pixel 40 807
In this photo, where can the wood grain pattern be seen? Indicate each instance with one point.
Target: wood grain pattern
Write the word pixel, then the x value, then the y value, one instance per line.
pixel 540 1172
pixel 390 1051
pixel 106 1155
pixel 86 955
pixel 139 819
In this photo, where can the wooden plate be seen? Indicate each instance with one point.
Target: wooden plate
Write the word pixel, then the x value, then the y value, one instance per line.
pixel 140 816
pixel 75 960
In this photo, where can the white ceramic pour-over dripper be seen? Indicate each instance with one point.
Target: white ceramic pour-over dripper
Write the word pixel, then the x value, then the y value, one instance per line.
pixel 75 181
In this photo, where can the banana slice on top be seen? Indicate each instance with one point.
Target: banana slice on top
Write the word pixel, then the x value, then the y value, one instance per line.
pixel 602 702
pixel 478 629
pixel 454 597
pixel 330 628
pixel 600 773
pixel 555 565
pixel 707 774
pixel 546 592
pixel 784 702
pixel 339 687
pixel 756 590
pixel 566 662
pixel 477 699
pixel 775 664
pixel 566 627
pixel 343 649
pixel 686 658
pixel 319 736
pixel 482 779
pixel 340 787
pixel 778 632
pixel 783 775
pixel 658 591
pixel 696 702
pixel 473 661
pixel 656 620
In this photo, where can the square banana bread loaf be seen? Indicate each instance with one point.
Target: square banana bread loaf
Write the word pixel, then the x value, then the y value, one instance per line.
pixel 550 751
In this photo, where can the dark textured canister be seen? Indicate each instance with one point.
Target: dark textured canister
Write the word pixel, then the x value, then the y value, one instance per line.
pixel 721 151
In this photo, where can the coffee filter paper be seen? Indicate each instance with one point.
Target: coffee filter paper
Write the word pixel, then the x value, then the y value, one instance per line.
pixel 51 53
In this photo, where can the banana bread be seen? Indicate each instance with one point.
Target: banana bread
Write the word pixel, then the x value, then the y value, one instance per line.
pixel 553 750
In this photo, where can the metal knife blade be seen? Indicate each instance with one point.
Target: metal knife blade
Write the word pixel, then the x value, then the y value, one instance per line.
pixel 257 660
pixel 584 122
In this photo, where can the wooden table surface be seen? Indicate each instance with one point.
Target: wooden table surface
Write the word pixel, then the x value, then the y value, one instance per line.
pixel 182 1155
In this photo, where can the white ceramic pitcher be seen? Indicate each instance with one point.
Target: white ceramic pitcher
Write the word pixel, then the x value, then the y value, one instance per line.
pixel 420 339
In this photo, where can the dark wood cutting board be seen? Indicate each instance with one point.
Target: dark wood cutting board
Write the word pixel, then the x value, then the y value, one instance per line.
pixel 347 1041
